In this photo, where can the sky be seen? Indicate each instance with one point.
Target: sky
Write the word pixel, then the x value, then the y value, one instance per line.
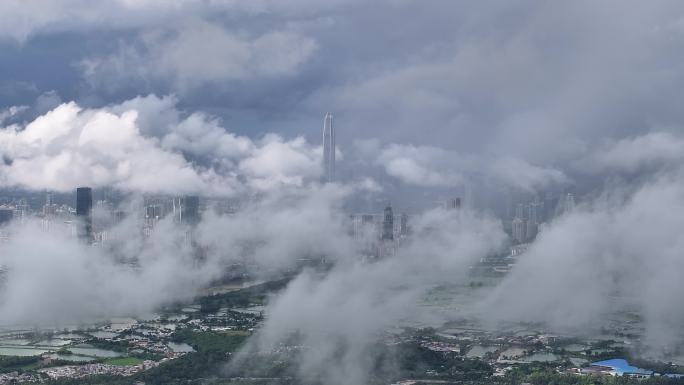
pixel 439 94
pixel 226 98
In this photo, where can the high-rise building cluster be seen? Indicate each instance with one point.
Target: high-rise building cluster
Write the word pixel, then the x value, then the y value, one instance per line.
pixel 388 225
pixel 530 218
pixel 84 213
pixel 453 203
pixel 94 221
pixel 380 234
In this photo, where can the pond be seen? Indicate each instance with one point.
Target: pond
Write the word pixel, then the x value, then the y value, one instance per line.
pixel 56 342
pixel 103 334
pixel 86 350
pixel 121 324
pixel 22 351
pixel 478 351
pixel 541 357
pixel 181 348
pixel 71 357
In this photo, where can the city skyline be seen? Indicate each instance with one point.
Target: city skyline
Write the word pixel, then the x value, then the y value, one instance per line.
pixel 341 192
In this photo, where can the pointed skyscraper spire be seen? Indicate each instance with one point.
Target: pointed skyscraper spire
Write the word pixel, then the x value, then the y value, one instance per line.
pixel 328 148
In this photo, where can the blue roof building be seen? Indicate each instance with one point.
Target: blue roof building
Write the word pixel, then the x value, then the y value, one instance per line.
pixel 622 367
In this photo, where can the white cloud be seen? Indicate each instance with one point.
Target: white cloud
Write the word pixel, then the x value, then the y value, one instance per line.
pixel 339 316
pixel 525 176
pixel 652 150
pixel 276 162
pixel 436 167
pixel 618 252
pixel 423 165
pixel 71 146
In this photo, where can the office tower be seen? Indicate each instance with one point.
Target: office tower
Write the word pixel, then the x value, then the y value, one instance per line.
pixel 549 207
pixel 176 209
pixel 190 210
pixel 21 209
pixel 388 224
pixel 519 230
pixel 404 229
pixel 367 219
pixel 153 211
pixel 534 216
pixel 520 211
pixel 84 213
pixel 328 148
pixel 531 230
pixel 6 215
pixel 532 223
pixel 533 212
pixel 569 203
pixel 454 204
pixel 49 209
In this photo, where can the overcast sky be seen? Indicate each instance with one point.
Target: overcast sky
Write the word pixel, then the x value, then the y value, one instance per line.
pixel 430 94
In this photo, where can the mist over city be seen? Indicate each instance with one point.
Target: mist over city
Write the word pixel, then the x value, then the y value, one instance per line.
pixel 341 192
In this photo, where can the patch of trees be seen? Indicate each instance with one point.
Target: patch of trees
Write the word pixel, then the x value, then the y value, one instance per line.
pixel 12 364
pixel 254 295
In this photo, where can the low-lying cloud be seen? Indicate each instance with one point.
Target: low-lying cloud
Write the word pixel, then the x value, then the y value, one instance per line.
pixel 429 166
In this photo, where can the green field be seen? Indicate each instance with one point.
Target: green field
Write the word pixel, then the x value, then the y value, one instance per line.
pixel 241 333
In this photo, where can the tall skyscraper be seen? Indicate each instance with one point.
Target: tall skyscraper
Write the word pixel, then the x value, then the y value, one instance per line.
pixel 454 204
pixel 49 208
pixel 328 148
pixel 388 224
pixel 404 228
pixel 6 215
pixel 518 227
pixel 190 210
pixel 520 211
pixel 153 211
pixel 569 203
pixel 549 207
pixel 84 213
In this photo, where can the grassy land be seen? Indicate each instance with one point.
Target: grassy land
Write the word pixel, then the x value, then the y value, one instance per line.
pixel 212 342
pixel 254 295
pixel 11 363
pixel 239 333
pixel 123 361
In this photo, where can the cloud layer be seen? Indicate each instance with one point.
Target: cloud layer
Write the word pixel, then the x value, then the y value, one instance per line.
pixel 142 145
